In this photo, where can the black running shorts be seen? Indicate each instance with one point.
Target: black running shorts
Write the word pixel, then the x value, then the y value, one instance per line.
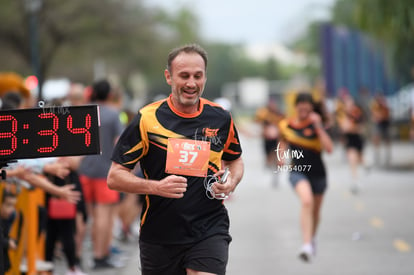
pixel 318 185
pixel 209 255
pixel 354 141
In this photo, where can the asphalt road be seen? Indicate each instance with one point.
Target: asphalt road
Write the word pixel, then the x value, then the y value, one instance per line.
pixel 368 233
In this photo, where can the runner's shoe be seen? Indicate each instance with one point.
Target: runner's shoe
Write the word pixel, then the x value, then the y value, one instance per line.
pixel 306 253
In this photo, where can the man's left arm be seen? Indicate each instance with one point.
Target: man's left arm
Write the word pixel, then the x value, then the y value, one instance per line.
pixel 232 160
pixel 236 168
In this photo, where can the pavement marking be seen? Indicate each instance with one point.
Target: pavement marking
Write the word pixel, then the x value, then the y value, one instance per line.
pixel 401 245
pixel 376 222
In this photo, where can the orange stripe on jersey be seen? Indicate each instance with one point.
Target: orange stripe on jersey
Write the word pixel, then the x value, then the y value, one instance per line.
pixel 212 168
pixel 135 148
pixel 144 216
pixel 158 145
pixel 300 134
pixel 232 139
pixel 199 111
pixel 133 161
pixel 298 124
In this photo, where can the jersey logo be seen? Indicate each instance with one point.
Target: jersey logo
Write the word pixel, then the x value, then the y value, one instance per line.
pixel 210 133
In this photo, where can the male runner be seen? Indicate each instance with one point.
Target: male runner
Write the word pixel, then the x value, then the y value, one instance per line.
pixel 380 113
pixel 182 144
pixel 351 124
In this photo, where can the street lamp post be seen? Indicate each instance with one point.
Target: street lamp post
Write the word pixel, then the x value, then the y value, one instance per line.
pixel 32 8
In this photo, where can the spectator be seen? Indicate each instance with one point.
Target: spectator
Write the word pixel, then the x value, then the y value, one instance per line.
pixel 63 228
pixel 93 170
pixel 7 214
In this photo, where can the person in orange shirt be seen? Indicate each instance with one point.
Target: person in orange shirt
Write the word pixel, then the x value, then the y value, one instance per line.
pixel 380 114
pixel 351 125
pixel 269 117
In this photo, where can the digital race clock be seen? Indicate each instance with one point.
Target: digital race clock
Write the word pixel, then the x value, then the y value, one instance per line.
pixel 52 131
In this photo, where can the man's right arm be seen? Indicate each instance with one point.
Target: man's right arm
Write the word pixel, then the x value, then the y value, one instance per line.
pixel 121 179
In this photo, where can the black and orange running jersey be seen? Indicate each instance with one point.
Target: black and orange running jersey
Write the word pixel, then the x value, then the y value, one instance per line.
pixel 355 114
pixel 266 116
pixel 195 216
pixel 304 150
pixel 380 111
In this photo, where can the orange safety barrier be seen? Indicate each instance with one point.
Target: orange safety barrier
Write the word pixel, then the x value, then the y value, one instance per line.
pixel 25 229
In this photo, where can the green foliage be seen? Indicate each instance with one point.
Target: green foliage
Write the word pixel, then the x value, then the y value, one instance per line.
pixel 308 43
pixel 125 35
pixel 229 63
pixel 389 21
pixel 74 34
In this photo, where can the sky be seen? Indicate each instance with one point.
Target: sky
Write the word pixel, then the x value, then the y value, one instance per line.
pixel 251 21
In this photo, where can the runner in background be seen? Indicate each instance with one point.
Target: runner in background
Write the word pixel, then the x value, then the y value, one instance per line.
pixel 380 114
pixel 269 117
pixel 93 170
pixel 351 122
pixel 77 96
pixel 304 138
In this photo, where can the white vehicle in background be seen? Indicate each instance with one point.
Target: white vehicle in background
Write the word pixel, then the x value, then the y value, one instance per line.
pixel 402 103
pixel 402 108
pixel 52 89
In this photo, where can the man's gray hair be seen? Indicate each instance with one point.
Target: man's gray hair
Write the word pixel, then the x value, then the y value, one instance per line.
pixel 189 48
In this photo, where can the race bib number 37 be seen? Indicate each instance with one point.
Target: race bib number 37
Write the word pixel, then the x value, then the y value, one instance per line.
pixel 187 157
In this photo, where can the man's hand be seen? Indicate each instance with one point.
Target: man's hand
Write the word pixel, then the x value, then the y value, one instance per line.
pixel 316 119
pixel 57 168
pixel 223 189
pixel 325 139
pixel 19 172
pixel 12 244
pixel 171 187
pixel 69 194
pixel 71 162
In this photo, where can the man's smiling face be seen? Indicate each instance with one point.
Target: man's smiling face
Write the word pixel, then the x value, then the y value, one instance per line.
pixel 187 78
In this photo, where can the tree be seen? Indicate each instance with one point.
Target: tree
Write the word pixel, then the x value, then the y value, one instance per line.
pixel 389 21
pixel 73 34
pixel 309 43
pixel 180 27
pixel 123 35
pixel 172 29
